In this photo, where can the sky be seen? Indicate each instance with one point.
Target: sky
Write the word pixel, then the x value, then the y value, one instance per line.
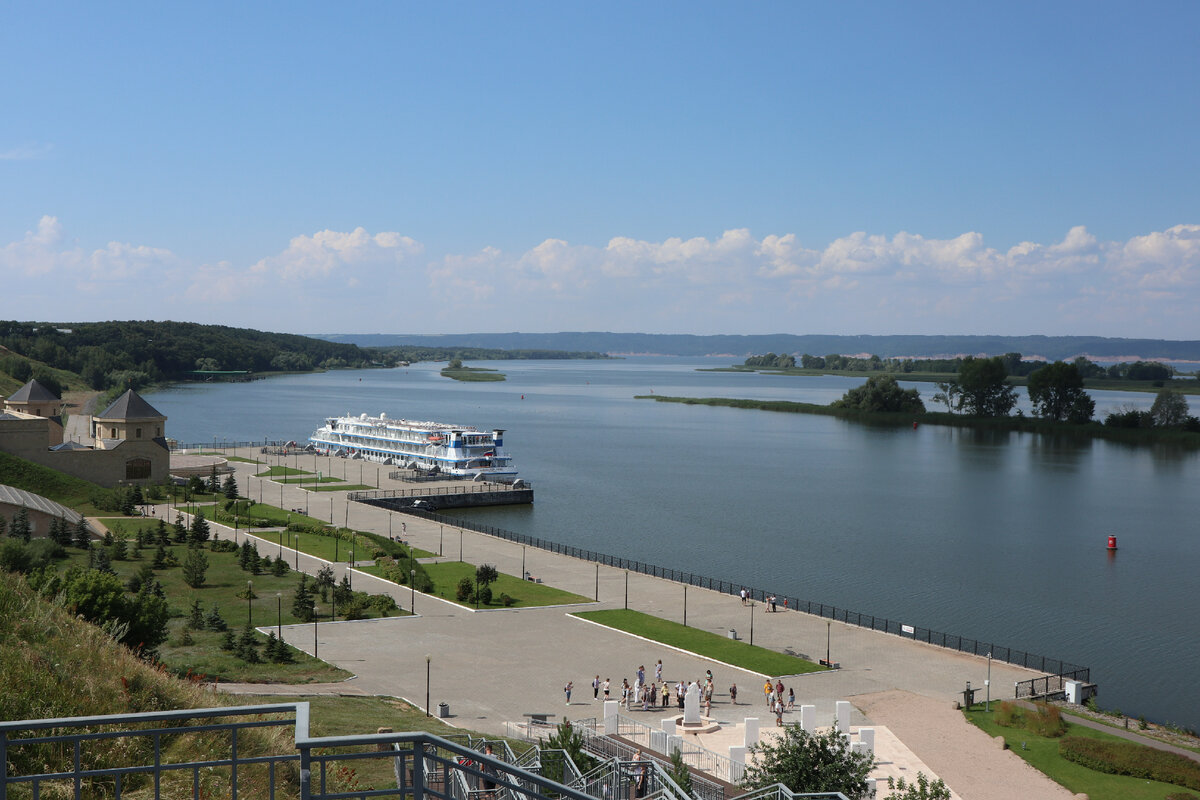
pixel 770 167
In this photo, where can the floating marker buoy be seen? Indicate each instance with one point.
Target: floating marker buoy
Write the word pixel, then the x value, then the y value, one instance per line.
pixel 1112 543
pixel 914 424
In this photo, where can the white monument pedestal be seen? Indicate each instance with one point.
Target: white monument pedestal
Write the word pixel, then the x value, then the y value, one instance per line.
pixel 751 731
pixel 867 737
pixel 843 716
pixel 808 719
pixel 610 717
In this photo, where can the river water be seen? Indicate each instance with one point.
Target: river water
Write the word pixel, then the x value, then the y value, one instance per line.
pixel 991 535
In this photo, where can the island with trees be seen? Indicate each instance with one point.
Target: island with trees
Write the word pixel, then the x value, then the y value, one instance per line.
pixel 980 394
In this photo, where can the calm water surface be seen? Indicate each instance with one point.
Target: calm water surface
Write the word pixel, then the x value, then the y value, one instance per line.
pixel 997 536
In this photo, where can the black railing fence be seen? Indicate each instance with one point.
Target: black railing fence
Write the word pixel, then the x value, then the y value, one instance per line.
pixel 1050 684
pixel 963 644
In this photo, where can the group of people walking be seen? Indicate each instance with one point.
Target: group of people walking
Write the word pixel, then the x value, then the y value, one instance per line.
pixel 654 692
pixel 776 701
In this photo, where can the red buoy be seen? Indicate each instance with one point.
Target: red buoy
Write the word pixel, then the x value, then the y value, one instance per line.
pixel 1112 543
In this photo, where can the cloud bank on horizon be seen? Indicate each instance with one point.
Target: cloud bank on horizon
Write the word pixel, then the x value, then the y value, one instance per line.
pixel 860 283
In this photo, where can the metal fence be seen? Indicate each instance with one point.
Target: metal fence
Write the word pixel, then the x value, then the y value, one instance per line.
pixel 1049 684
pixel 232 752
pixel 950 641
pixel 436 491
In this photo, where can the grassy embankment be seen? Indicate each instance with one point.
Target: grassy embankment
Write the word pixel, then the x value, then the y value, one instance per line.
pixel 1180 384
pixel 1018 424
pixel 447 574
pixel 476 374
pixel 93 675
pixel 702 643
pixel 1043 754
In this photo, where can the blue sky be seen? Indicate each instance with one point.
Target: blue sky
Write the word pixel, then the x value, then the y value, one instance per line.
pixel 665 167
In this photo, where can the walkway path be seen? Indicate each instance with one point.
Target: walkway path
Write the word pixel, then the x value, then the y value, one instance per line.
pixel 494 666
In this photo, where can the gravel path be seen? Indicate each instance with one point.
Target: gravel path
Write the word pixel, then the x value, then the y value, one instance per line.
pixel 966 758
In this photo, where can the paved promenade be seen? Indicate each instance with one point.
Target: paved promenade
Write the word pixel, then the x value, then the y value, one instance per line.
pixel 496 665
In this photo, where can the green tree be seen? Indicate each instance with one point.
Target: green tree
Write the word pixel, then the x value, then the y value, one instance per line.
pixel 160 558
pixel 196 615
pixel 921 789
pixel 83 536
pixel 1056 391
pixel 199 532
pixel 302 600
pixel 3 525
pixel 882 393
pixel 214 621
pixel 247 646
pixel 160 532
pixel 809 762
pixel 195 564
pixel 949 394
pixel 985 389
pixel 230 487
pixel 20 528
pixel 180 529
pixel 486 574
pixel 1170 409
pixel 570 741
pixel 214 483
pixel 680 773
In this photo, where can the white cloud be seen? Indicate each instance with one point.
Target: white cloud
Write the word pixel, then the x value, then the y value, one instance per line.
pixel 327 252
pixel 26 152
pixel 1148 285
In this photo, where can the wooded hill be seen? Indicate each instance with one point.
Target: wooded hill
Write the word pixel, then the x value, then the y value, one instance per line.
pixel 1048 347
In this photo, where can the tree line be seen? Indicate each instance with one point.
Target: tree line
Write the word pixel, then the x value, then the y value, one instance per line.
pixel 982 389
pixel 1014 365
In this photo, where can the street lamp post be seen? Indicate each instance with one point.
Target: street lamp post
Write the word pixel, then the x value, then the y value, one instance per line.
pixel 828 633
pixel 685 605
pixel 597 583
pixel 350 569
pixel 460 542
pixel 987 706
pixel 751 623
pixel 316 612
pixel 441 530
pixel 427 659
pixel 522 562
pixel 279 616
pixel 412 590
pixel 626 590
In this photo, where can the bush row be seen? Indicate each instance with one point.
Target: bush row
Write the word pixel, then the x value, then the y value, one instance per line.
pixel 1134 760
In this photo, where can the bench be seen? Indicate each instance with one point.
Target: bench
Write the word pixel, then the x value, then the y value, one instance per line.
pixel 830 664
pixel 543 718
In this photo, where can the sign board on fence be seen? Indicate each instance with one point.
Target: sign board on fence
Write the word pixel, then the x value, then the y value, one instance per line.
pixel 907 629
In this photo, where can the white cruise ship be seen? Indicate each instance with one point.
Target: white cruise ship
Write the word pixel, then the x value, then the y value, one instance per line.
pixel 451 449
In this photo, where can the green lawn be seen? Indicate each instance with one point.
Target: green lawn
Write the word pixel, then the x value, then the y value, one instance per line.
pixel 325 547
pixel 278 470
pixel 1042 755
pixel 703 643
pixel 243 460
pixel 346 487
pixel 314 479
pixel 223 581
pixel 446 575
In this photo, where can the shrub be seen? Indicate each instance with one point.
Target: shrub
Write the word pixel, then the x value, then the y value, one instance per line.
pixel 485 595
pixel 506 600
pixel 1134 760
pixel 1046 720
pixel 464 590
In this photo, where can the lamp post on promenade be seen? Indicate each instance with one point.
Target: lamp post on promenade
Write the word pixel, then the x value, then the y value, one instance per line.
pixel 685 605
pixel 316 612
pixel 828 630
pixel 427 659
pixel 597 583
pixel 412 590
pixel 279 616
pixel 751 623
pixel 626 590
pixel 987 706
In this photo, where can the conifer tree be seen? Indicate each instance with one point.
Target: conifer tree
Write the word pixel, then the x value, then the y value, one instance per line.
pixel 83 536
pixel 3 525
pixel 230 487
pixel 195 564
pixel 136 496
pixel 247 646
pixel 199 532
pixel 279 567
pixel 214 484
pixel 160 557
pixel 196 615
pixel 20 528
pixel 180 529
pixel 214 621
pixel 160 532
pixel 302 601
pixel 119 549
pixel 100 559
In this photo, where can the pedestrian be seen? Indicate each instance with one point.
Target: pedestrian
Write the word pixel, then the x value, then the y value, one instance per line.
pixel 743 593
pixel 653 694
pixel 658 672
pixel 665 695
pixel 641 674
pixel 596 688
pixel 785 604
pixel 607 682
pixel 567 690
pixel 791 700
pixel 779 690
pixel 767 690
pixel 638 774
pixel 489 773
pixel 779 713
pixel 733 693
